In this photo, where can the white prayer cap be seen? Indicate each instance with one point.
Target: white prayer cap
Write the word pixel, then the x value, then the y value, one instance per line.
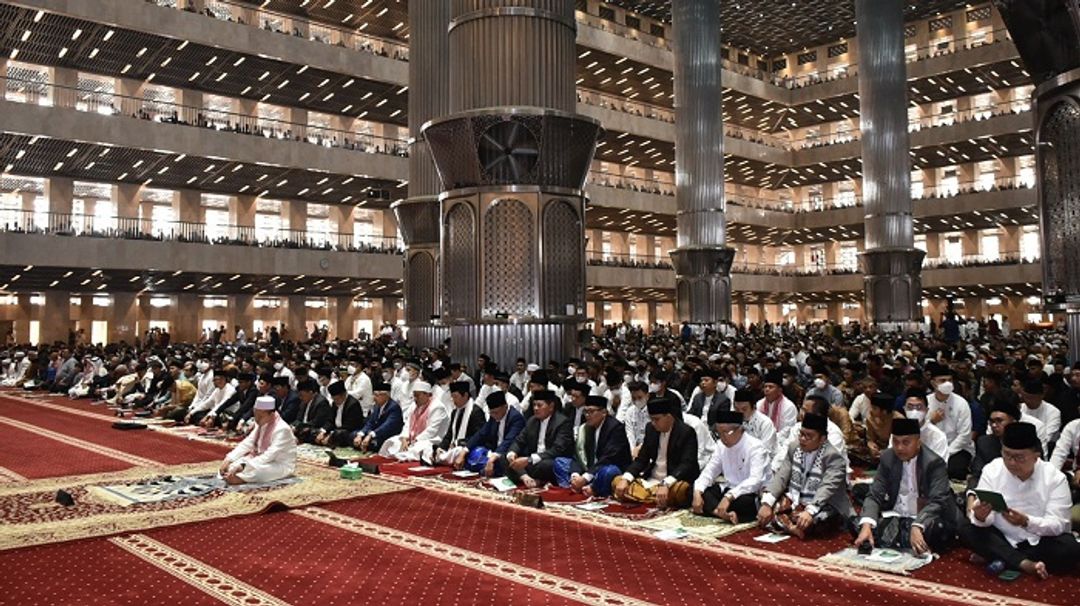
pixel 843 361
pixel 714 357
pixel 436 365
pixel 421 386
pixel 265 403
pixel 532 368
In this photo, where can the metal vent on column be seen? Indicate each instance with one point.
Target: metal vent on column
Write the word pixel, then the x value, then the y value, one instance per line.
pixel 508 151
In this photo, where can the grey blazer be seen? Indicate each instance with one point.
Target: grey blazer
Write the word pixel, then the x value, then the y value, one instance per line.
pixel 936 498
pixel 833 489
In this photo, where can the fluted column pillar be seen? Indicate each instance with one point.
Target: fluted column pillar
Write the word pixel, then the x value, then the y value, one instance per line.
pixel 891 263
pixel 702 258
pixel 512 156
pixel 418 216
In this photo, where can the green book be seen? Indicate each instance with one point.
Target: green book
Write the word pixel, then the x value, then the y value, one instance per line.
pixel 993 499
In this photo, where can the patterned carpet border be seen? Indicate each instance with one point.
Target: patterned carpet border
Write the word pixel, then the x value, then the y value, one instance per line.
pixel 6 475
pixel 200 575
pixel 504 571
pixel 29 515
pixel 875 578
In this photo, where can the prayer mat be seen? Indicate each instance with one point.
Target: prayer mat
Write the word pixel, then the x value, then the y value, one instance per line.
pixel 413 468
pixel 698 526
pixel 317 454
pixel 168 488
pixel 30 515
pixel 558 494
pixel 895 561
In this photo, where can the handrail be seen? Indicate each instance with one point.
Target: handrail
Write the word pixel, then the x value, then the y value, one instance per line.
pixel 112 103
pixel 136 228
pixel 342 37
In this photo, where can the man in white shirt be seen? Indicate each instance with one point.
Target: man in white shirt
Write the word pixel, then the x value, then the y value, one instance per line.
pixel 204 382
pixel 1068 447
pixel 776 407
pixel 1034 405
pixel 740 462
pixel 223 390
pixel 425 426
pixel 952 414
pixel 1032 533
pixel 756 424
pixel 520 378
pixel 915 407
pixel 635 415
pixel 358 384
pixel 268 452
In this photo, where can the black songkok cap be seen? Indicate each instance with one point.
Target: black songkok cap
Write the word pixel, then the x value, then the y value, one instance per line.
pixel 495 399
pixel 336 388
pixel 774 377
pixel 381 387
pixel 905 427
pixel 461 387
pixel 1007 406
pixel 662 406
pixel 883 400
pixel 1033 387
pixel 308 385
pixel 543 395
pixel 724 417
pixel 245 376
pixel 818 423
pixel 280 381
pixel 539 377
pixel 596 401
pixel 1021 436
pixel 744 395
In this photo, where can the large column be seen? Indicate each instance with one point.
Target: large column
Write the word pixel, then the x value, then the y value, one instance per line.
pixel 418 216
pixel 242 216
pixel 343 316
pixel 185 326
pixel 296 318
pixel 56 318
pixel 122 318
pixel 60 192
pixel 702 259
pixel 892 264
pixel 513 158
pixel 242 314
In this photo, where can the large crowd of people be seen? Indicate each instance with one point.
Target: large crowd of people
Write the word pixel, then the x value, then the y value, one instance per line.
pixel 973 441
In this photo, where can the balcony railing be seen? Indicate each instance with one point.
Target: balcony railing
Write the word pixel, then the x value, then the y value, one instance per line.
pixel 135 228
pixel 113 104
pixel 979 260
pixel 316 31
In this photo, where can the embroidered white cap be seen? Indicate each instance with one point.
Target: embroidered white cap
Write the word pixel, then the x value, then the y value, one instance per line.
pixel 265 403
pixel 421 386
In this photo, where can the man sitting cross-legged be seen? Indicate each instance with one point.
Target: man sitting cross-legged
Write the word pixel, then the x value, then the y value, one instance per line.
pixel 601 451
pixel 809 489
pixel 1032 534
pixel 741 460
pixel 466 418
pixel 315 412
pixel 268 453
pixel 384 422
pixel 486 450
pixel 666 465
pixel 547 436
pixel 911 503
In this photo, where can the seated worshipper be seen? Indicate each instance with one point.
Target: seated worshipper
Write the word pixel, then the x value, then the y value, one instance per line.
pixel 775 405
pixel 952 414
pixel 809 490
pixel 1032 534
pixel 241 403
pixel 728 486
pixel 183 394
pixel 546 437
pixel 347 417
pixel 755 423
pixel 988 447
pixel 487 448
pixel 706 441
pixel 223 390
pixel 466 418
pixel 268 452
pixel 634 415
pixel 1066 458
pixel 667 463
pixel 712 393
pixel 1046 413
pixel 288 403
pixel 915 407
pixel 384 422
pixel 601 452
pixel 315 411
pixel 910 503
pixel 879 427
pixel 576 396
pixel 812 405
pixel 425 426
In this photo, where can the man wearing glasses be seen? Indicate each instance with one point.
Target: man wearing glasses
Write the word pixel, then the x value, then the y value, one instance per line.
pixel 739 462
pixel 601 452
pixel 916 408
pixel 1028 529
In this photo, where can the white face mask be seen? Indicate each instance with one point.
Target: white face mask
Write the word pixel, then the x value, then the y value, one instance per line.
pixel 721 386
pixel 819 383
pixel 945 388
pixel 918 415
pixel 278 365
pixel 204 366
pixel 654 388
pixel 101 372
pixel 351 370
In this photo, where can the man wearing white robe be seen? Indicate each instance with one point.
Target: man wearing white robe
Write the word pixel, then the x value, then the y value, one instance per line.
pixel 268 452
pixel 425 426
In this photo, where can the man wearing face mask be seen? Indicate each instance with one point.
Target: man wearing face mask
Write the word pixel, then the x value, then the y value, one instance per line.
pixel 403 384
pixel 634 415
pixel 282 370
pixel 358 384
pixel 658 388
pixel 824 388
pixel 952 415
pixel 204 383
pixel 916 408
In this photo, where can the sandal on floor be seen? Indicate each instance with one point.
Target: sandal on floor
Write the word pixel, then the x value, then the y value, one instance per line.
pixel 995 568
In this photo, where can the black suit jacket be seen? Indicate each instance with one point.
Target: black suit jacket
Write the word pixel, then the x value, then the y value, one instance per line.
pixel 475 422
pixel 935 493
pixel 682 462
pixel 558 441
pixel 322 413
pixel 609 448
pixel 987 448
pixel 352 417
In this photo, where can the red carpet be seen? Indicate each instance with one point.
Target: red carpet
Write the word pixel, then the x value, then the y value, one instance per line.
pixel 89 573
pixel 141 443
pixel 302 561
pixel 617 561
pixel 34 456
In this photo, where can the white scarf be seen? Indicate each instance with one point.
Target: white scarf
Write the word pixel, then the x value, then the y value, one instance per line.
pixel 464 425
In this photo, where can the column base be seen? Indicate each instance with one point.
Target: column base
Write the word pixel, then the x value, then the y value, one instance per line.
pixel 703 284
pixel 505 342
pixel 893 285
